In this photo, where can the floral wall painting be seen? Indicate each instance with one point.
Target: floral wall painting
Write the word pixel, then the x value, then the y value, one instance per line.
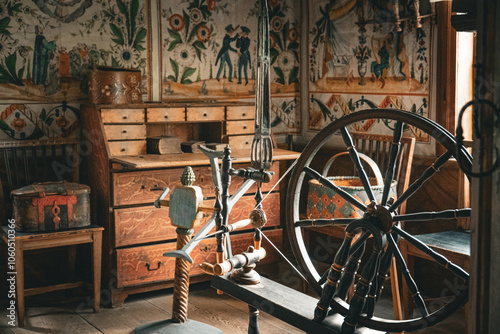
pixel 356 50
pixel 47 48
pixel 36 121
pixel 209 50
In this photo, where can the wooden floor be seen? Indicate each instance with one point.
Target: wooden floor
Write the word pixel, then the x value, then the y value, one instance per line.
pixel 70 311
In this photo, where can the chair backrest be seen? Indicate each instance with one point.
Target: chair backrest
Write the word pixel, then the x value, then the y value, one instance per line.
pixel 378 148
pixel 27 162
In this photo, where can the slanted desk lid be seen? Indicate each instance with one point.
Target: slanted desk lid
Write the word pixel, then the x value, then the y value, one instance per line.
pixel 51 188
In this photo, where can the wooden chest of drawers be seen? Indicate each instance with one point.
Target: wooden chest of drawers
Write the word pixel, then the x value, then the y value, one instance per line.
pixel 122 176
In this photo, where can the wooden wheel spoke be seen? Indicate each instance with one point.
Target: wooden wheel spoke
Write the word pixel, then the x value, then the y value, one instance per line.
pixel 322 222
pixel 329 184
pixel 378 286
pixel 436 256
pixel 410 283
pixel 389 175
pixel 353 153
pixel 423 216
pixel 426 175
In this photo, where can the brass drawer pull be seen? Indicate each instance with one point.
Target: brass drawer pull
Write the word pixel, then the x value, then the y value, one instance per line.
pixel 149 267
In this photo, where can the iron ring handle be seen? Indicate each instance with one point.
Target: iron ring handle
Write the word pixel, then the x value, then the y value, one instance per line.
pixel 460 137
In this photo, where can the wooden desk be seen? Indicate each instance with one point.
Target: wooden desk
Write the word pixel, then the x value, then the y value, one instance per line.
pixel 122 175
pixel 32 241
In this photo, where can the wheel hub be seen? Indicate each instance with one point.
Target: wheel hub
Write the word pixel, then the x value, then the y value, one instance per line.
pixel 380 216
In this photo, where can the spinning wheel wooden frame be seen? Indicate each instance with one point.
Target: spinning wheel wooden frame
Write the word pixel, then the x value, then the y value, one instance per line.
pixel 381 221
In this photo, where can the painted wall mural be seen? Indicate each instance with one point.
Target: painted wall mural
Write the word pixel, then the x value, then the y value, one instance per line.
pixel 358 59
pixel 23 121
pixel 209 53
pixel 47 48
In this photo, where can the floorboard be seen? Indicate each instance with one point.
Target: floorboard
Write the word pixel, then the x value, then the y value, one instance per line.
pixel 62 313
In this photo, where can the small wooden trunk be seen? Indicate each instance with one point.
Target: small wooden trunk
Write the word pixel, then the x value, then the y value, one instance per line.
pixel 51 206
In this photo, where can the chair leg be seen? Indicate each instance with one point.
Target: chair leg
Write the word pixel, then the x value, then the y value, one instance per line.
pixel 396 298
pixel 96 269
pixel 20 283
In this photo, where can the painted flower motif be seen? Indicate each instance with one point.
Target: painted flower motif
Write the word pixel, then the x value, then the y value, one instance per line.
pixel 273 3
pixel 277 23
pixel 126 56
pixel 286 60
pixel 6 46
pixel 3 10
pixel 18 124
pixel 196 16
pixel 62 122
pixel 292 35
pixel 211 4
pixel 185 54
pixel 176 22
pixel 203 33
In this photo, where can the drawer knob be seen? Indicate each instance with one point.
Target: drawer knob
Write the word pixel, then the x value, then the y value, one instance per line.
pixel 124 131
pixel 122 150
pixel 124 117
pixel 244 114
pixel 205 115
pixel 244 127
pixel 166 116
pixel 157 267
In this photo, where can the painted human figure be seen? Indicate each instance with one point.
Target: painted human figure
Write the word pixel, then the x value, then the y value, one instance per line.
pixel 243 43
pixel 75 61
pixel 41 56
pixel 223 54
pixel 94 55
pixel 64 64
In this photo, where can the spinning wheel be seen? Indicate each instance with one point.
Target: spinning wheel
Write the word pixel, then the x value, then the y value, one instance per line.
pixel 380 222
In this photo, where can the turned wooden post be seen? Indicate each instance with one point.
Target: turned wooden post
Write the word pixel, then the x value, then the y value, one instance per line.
pixel 183 212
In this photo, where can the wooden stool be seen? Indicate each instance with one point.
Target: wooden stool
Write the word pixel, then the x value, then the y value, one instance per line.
pixel 32 241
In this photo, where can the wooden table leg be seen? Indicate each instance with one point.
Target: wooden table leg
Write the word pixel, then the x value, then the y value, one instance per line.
pixel 20 282
pixel 96 268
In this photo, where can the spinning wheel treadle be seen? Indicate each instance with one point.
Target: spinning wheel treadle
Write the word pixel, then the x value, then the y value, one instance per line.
pixel 380 221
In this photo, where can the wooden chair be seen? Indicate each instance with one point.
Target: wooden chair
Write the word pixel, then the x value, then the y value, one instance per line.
pixel 27 162
pixel 377 147
pixel 453 244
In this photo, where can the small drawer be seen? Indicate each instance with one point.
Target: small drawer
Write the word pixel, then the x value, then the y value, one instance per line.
pixel 239 127
pixel 145 224
pixel 135 187
pixel 122 115
pixel 138 265
pixel 240 112
pixel 166 115
pixel 125 131
pixel 130 147
pixel 200 114
pixel 240 142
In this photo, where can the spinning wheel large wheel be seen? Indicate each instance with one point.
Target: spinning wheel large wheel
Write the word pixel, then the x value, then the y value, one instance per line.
pixel 381 222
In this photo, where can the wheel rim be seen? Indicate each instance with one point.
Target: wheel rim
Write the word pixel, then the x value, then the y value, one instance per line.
pixel 294 198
